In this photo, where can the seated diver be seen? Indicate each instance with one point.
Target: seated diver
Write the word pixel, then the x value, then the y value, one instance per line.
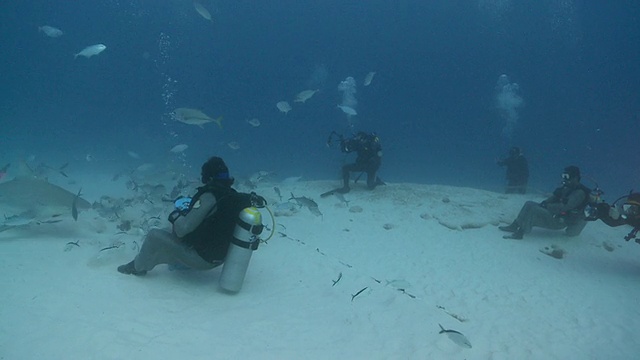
pixel 626 214
pixel 202 227
pixel 517 171
pixel 368 160
pixel 563 210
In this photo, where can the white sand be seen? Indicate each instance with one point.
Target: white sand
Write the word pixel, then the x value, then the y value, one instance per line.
pixel 441 260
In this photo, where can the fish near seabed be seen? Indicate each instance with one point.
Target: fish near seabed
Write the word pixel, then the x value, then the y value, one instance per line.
pixel 308 203
pixel 50 31
pixel 91 50
pixel 74 205
pixel 29 193
pixel 456 337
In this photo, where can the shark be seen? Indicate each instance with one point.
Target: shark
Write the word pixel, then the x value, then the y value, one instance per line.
pixel 28 199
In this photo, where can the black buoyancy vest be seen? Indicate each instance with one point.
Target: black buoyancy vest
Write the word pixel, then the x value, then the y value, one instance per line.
pixel 212 237
pixel 563 197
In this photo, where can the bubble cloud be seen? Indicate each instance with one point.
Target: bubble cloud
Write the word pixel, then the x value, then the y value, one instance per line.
pixel 508 101
pixel 348 89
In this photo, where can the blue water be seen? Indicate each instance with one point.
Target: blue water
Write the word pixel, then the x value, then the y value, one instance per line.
pixel 434 101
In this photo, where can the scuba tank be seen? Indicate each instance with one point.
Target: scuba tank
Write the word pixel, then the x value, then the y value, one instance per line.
pixel 245 241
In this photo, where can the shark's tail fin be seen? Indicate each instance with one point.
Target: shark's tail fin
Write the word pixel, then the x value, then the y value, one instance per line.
pixel 218 121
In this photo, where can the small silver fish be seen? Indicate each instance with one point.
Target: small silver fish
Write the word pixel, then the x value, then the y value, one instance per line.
pixel 348 110
pixel 456 337
pixel 25 218
pixel 90 51
pixel 369 78
pixel 179 148
pixel 202 10
pixel 74 205
pixel 194 117
pixel 283 106
pixel 308 203
pixel 133 154
pixel 277 190
pixel 254 122
pixel 50 31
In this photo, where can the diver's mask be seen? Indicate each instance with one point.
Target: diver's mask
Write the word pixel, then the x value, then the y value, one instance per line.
pixel 566 179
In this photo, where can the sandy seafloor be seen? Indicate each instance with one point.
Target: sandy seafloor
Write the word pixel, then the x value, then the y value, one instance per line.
pixel 426 254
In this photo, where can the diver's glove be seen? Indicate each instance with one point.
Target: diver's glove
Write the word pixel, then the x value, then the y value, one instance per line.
pixel 182 203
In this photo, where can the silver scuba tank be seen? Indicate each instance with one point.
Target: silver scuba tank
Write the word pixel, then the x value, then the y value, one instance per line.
pixel 245 241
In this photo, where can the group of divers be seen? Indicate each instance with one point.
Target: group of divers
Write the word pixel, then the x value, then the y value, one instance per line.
pixel 221 226
pixel 569 207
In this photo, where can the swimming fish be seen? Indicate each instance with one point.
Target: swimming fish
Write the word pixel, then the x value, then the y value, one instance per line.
pixel 25 219
pixel 456 337
pixel 260 176
pixel 284 107
pixel 39 196
pixel 91 50
pixel 305 95
pixel 277 190
pixel 133 154
pixel 348 110
pixel 254 122
pixel 74 206
pixel 179 148
pixel 50 31
pixel 202 10
pixel 194 117
pixel 144 167
pixel 308 203
pixel 369 78
pixel 233 145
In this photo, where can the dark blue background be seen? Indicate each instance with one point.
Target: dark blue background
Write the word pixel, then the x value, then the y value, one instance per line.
pixel 432 101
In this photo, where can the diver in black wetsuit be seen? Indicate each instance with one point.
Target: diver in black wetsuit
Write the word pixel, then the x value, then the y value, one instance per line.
pixel 368 160
pixel 626 214
pixel 517 171
pixel 562 210
pixel 202 226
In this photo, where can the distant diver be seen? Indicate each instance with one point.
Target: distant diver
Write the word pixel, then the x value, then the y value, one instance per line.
pixel 563 210
pixel 369 159
pixel 517 171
